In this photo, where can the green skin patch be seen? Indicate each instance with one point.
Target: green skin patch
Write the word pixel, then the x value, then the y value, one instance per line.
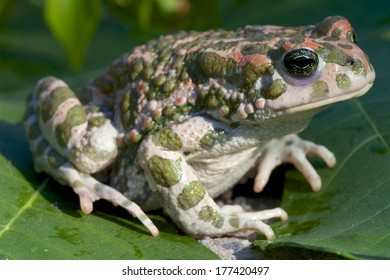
pixel 168 139
pixel 76 116
pixel 54 100
pixel 128 109
pixel 97 121
pixel 208 213
pixel 335 55
pixel 320 90
pixel 214 98
pixel 343 82
pixel 165 172
pixel 191 195
pixel 322 29
pixel 169 114
pixel 347 47
pixel 213 65
pixel 276 89
pixel 210 137
pixel 359 69
pixel 251 73
pixel 234 222
pixel 161 87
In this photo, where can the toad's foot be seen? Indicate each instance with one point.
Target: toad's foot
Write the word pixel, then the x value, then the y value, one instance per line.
pixel 87 187
pixel 90 190
pixel 292 149
pixel 254 220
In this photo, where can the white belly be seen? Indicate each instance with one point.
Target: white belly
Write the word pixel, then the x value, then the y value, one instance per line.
pixel 219 174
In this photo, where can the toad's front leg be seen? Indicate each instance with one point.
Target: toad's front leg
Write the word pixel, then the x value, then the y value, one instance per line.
pixel 179 190
pixel 292 149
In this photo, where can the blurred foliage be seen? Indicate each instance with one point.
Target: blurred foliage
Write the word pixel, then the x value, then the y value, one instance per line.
pixel 74 22
pixel 173 14
pixel 6 7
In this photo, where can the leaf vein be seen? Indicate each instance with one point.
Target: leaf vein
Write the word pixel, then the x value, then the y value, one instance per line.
pixel 23 209
pixel 372 124
pixel 379 239
pixel 337 170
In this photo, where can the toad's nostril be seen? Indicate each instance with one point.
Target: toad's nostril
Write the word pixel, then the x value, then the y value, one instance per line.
pixel 350 62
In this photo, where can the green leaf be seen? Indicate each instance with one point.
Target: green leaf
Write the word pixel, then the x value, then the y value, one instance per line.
pixel 350 216
pixel 73 23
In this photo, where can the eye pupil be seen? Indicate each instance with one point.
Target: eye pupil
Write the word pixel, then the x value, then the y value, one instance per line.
pixel 301 63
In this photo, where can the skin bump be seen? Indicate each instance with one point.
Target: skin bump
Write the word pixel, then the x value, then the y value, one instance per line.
pixel 165 172
pixel 191 195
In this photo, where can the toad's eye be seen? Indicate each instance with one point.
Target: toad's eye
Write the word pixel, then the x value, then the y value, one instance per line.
pixel 301 63
pixel 352 36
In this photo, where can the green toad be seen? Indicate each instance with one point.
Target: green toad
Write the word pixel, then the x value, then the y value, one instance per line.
pixel 180 120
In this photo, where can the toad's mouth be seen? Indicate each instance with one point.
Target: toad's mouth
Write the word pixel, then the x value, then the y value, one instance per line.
pixel 327 101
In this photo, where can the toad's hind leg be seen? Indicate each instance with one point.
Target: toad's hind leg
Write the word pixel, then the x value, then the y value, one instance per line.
pixel 181 193
pixel 69 143
pixel 82 135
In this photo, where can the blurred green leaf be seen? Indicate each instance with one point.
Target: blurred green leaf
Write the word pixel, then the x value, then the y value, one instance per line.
pixel 144 9
pixel 148 8
pixel 6 7
pixel 169 6
pixel 167 15
pixel 73 23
